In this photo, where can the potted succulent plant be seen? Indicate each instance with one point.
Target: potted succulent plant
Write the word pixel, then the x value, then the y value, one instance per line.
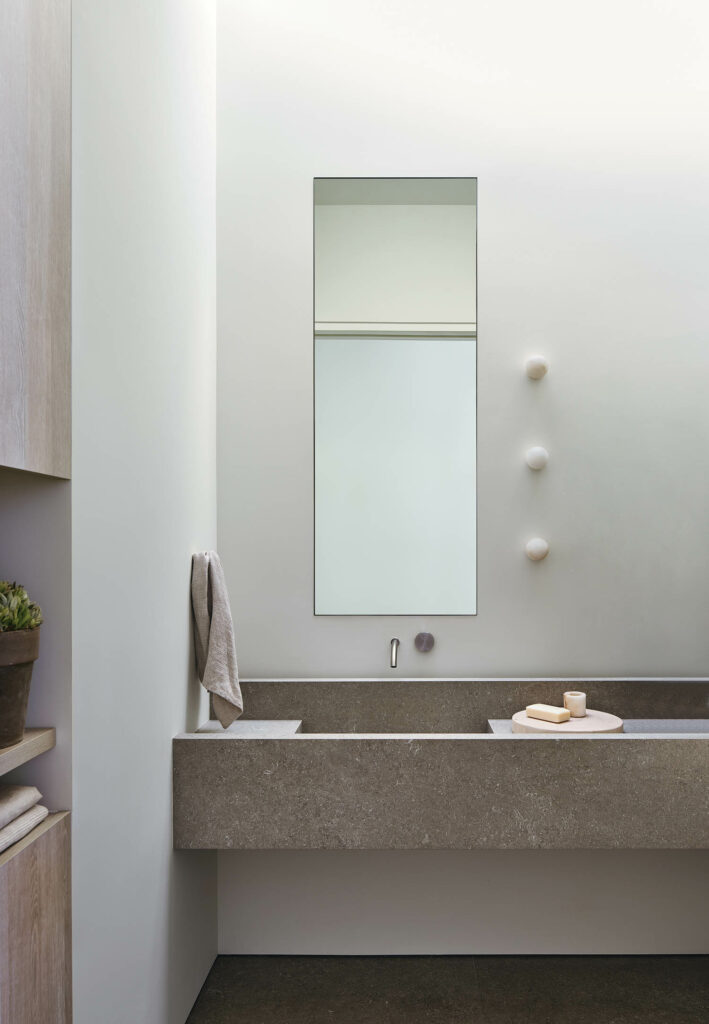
pixel 20 620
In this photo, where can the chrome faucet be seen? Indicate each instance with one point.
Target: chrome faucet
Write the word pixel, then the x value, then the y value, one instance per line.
pixel 394 652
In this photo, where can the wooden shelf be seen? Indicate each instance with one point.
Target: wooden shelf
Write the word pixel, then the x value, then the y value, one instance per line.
pixel 34 742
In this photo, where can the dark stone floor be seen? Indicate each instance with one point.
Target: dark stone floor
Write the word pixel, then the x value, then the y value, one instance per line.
pixel 455 990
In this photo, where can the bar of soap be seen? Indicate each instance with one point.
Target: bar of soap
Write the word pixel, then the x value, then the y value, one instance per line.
pixel 548 713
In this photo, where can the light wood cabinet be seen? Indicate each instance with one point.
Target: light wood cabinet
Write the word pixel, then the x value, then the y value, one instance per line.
pixel 35 926
pixel 35 236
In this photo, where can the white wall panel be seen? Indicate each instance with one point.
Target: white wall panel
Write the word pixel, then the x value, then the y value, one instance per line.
pixel 591 155
pixel 144 493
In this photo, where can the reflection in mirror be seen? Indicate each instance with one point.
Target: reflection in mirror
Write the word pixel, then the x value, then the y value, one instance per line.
pixel 395 396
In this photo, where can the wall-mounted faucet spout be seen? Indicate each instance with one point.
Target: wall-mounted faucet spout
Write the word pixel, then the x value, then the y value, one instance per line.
pixel 394 652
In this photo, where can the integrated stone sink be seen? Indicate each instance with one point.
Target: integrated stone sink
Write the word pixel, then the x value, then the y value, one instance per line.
pixel 381 765
pixel 246 728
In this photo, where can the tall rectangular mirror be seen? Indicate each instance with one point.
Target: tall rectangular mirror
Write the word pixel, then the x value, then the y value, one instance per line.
pixel 395 396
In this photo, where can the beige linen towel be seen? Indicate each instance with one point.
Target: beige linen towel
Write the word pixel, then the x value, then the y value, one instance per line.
pixel 214 645
pixel 21 826
pixel 15 800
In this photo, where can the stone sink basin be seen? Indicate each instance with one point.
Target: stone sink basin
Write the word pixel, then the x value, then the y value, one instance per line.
pixel 282 728
pixel 402 764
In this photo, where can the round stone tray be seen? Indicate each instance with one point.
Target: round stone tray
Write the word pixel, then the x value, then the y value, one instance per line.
pixel 594 722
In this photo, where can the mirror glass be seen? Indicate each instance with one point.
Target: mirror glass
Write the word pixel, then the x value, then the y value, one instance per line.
pixel 395 396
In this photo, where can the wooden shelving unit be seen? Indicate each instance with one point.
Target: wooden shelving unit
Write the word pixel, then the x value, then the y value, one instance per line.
pixel 35 436
pixel 34 743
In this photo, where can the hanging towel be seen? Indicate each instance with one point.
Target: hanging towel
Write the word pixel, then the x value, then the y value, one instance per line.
pixel 15 800
pixel 21 826
pixel 214 645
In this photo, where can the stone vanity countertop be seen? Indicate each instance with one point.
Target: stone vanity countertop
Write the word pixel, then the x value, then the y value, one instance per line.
pixel 635 729
pixel 360 774
pixel 440 791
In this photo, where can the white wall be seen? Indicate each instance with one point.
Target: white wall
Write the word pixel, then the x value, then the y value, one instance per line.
pixel 143 493
pixel 591 154
pixel 452 901
pixel 587 135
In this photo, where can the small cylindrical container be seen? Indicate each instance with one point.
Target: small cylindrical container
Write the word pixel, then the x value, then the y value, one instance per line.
pixel 575 701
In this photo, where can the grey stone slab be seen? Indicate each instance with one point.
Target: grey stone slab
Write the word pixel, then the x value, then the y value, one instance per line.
pixel 460 705
pixel 253 727
pixel 440 792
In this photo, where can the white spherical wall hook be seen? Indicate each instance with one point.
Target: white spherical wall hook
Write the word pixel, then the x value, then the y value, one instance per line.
pixel 536 457
pixel 536 367
pixel 537 548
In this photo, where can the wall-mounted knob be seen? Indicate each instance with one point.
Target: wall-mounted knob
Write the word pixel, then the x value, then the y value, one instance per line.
pixel 424 642
pixel 536 367
pixel 536 457
pixel 537 548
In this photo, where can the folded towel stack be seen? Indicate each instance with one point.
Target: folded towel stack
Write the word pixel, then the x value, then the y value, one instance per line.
pixel 20 812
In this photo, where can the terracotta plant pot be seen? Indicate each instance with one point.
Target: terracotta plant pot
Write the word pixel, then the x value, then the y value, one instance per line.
pixel 18 652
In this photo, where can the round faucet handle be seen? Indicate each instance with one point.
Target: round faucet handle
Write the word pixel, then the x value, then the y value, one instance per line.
pixel 424 642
